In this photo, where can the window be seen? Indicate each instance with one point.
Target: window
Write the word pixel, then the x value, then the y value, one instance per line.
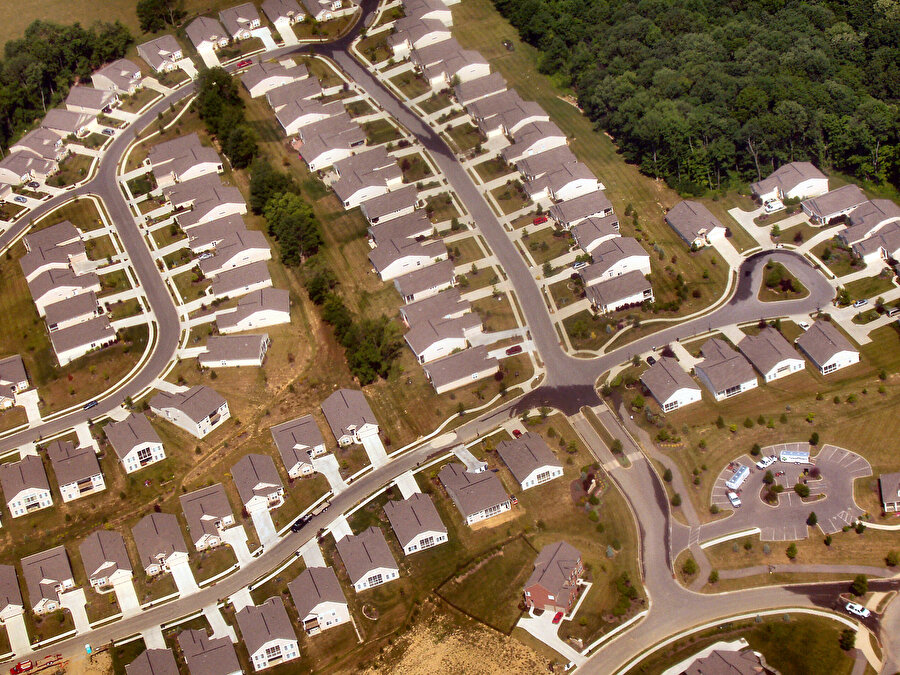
pixel 273 652
pixel 671 405
pixel 427 542
pixel 144 456
pixel 544 476
pixel 374 580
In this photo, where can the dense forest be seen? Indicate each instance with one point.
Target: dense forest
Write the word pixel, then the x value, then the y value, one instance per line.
pixel 703 92
pixel 37 70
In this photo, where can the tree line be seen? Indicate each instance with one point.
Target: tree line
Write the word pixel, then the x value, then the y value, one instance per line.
pixel 708 93
pixel 219 105
pixel 38 69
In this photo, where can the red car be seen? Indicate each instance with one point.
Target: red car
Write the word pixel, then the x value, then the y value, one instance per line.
pixel 21 667
pixel 558 617
pixel 517 433
pixel 540 220
pixel 515 349
pixel 244 63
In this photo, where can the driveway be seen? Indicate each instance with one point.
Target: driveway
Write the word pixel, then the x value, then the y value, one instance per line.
pixel 328 467
pixel 127 597
pixel 265 35
pixel 340 528
pixel 543 628
pixel 18 634
pixel 217 623
pixel 210 59
pixel 74 601
pixel 375 450
pixel 406 482
pixel 29 400
pixel 288 35
pixel 184 579
pixel 236 538
pixel 312 554
pixel 265 528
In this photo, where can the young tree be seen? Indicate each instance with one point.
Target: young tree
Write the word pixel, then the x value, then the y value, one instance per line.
pixel 812 519
pixel 860 585
pixel 791 551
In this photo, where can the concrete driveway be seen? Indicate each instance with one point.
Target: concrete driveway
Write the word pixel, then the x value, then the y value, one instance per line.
pixel 265 528
pixel 831 495
pixel 312 554
pixel 407 485
pixel 18 634
pixel 328 467
pixel 543 628
pixel 375 450
pixel 236 538
pixel 127 597
pixel 74 601
pixel 184 579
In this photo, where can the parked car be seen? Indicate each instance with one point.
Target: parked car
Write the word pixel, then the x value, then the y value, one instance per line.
pixel 517 433
pixel 33 185
pixel 580 265
pixel 513 500
pixel 773 205
pixel 765 462
pixel 540 220
pixel 650 360
pixel 734 499
pixel 859 610
pixel 205 256
pixel 91 404
pixel 557 617
pixel 893 311
pixel 20 199
pixel 300 523
pixel 108 132
pixel 244 63
pixel 803 325
pixel 861 303
pixel 515 349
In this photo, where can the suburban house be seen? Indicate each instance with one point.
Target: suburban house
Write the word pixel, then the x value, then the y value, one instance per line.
pixel 461 369
pixel 58 247
pixel 239 281
pixel 416 523
pixel 396 257
pixel 283 13
pixel 326 10
pixel 306 88
pixel 77 470
pixel 136 442
pixel 694 223
pixel 400 202
pixel 258 483
pixel 11 604
pixel 330 140
pixel 258 309
pixel 42 143
pixel 627 290
pixel 487 112
pixel 214 202
pixel 182 159
pixel 771 354
pixel 590 233
pixel 367 559
pixel 206 34
pixel 889 484
pixel 239 21
pixel 567 181
pixel 532 139
pixel 160 543
pixel 430 9
pixel 413 32
pixel 867 219
pixel 25 486
pixel 105 558
pixel 478 496
pixel 533 167
pixel 415 225
pixel 206 236
pixel 470 91
pixel 885 245
pixel 208 512
pixel 319 600
pixel 13 380
pixel 198 410
pixel 827 348
pixel 55 285
pixel 669 385
pixel 445 62
pixel 268 634
pixel 153 662
pixel 614 257
pixel 795 180
pixel 530 460
pixel 121 76
pixel 236 249
pixel 234 351
pixel 72 311
pixel 48 575
pixel 724 371
pixel 60 235
pixel 445 305
pixel 435 338
pixel 302 112
pixel 349 416
pixel 553 585
pixel 162 53
pixel 67 122
pixel 573 211
pixel 75 341
pixel 734 658
pixel 366 175
pixel 425 282
pixel 90 101
pixel 298 441
pixel 21 167
pixel 208 656
pixel 832 205
pixel 263 77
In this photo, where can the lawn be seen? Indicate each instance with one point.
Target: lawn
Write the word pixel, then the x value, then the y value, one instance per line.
pixel 411 85
pixel 836 257
pixel 139 99
pixel 12 417
pixel 441 207
pixel 465 251
pixel 511 196
pixel 113 282
pixel 436 103
pixel 124 308
pixel 9 210
pixel 494 168
pixel 566 292
pixel 719 206
pixel 72 170
pixel 779 284
pixel 870 288
pixel 141 185
pixel 589 331
pixel 100 248
pixel 548 244
pixel 207 564
pixel 415 168
pixel 82 213
pixel 190 285
pixel 381 131
pixel 124 654
pixel 473 280
pixel 375 48
pixel 496 313
pixel 359 108
pixel 465 137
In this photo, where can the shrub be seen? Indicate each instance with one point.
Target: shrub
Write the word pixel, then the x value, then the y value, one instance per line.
pixel 847 641
pixel 791 551
pixel 812 519
pixel 802 489
pixel 667 475
pixel 748 423
pixel 860 585
pixel 689 567
pixel 828 540
pixel 676 500
pixel 714 577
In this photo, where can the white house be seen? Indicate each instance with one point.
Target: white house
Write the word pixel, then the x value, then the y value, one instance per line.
pixel 77 470
pixel 258 309
pixel 723 371
pixel 13 380
pixel 395 257
pixel 55 285
pixel 283 13
pixel 75 341
pixel 234 351
pixel 160 543
pixel 198 410
pixel 366 175
pixel 236 249
pixel 435 338
pixel 105 559
pixel 319 600
pixel 135 442
pixel 478 496
pixel 795 180
pixel 207 35
pixel 208 656
pixel 263 77
pixel 367 559
pixel 240 21
pixel 694 223
pixel 833 205
pixel 349 416
pixel 615 257
pixel 827 348
pixel 533 139
pixel 416 523
pixel 298 441
pixel 258 483
pixel 461 369
pixel 413 32
pixel 590 233
pixel 163 54
pixel 268 634
pixel 11 604
pixel 208 513
pixel 121 76
pixel 530 460
pixel 771 354
pixel 48 575
pixel 626 290
pixel 670 385
pixel 25 486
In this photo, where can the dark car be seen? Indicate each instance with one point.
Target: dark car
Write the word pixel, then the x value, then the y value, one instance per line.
pixel 91 404
pixel 650 360
pixel 300 523
pixel 33 185
pixel 515 349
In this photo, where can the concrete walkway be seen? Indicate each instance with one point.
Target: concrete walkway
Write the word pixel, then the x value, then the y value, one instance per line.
pixel 407 485
pixel 328 466
pixel 312 554
pixel 210 59
pixel 217 623
pixel 288 35
pixel 543 628
pixel 75 601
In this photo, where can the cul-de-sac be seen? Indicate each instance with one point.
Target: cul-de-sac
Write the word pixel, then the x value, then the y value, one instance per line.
pixel 450 336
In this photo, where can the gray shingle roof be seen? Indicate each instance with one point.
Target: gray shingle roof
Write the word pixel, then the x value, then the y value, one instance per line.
pixel 313 586
pixel 553 567
pixel 274 299
pixel 426 333
pixel 12 371
pixel 103 553
pixel 591 204
pixel 472 90
pixel 409 226
pixel 255 475
pixel 263 70
pixel 208 656
pixel 88 97
pixel 197 403
pixel 238 18
pixel 440 306
pixel 203 508
pixel 158 534
pixel 71 464
pixel 466 363
pixel 433 276
pixel 786 177
pixel 281 9
pixel 265 622
pixel 618 288
pixel 96 330
pixel 394 250
pixel 767 350
pixel 412 517
pixel 691 220
pixel 134 430
pixel 723 366
pixel 372 168
pixel 27 473
pixel 153 662
pixel 347 408
pixel 81 305
pixel 10 593
pixel 294 439
pixel 833 202
pixel 204 29
pixel 525 454
pixel 227 347
pixel 665 377
pixel 822 341
pixel 44 571
pixel 611 252
pixel 472 492
pixel 396 200
pixel 543 162
pixel 158 50
pixel 365 552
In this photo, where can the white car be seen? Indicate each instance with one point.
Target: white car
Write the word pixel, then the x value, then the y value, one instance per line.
pixel 765 462
pixel 773 205
pixel 861 303
pixel 803 325
pixel 734 499
pixel 859 610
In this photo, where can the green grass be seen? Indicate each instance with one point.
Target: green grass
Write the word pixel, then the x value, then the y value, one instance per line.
pixel 100 248
pixel 124 309
pixel 82 213
pixel 415 168
pixel 139 99
pixel 72 170
pixel 840 261
pixel 493 168
pixel 566 292
pixel 465 137
pixel 496 313
pixel 870 287
pixel 375 48
pixel 189 286
pixel 440 207
pixel 511 196
pixel 465 251
pixel 780 275
pixel 381 131
pixel 410 84
pixel 436 103
pixel 547 244
pixel 358 108
pixel 113 282
pixel 9 210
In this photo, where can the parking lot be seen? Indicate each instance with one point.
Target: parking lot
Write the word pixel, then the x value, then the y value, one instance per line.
pixel 830 494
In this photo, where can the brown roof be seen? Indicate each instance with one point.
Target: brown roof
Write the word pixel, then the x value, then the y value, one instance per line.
pixel 313 586
pixel 553 567
pixel 591 204
pixel 365 552
pixel 28 472
pixel 44 571
pixel 153 662
pixel 126 435
pixel 472 492
pixel 433 276
pixel 255 476
pixel 691 220
pixel 822 341
pixel 347 408
pixel 10 593
pixel 833 202
pixel 449 369
pixel 71 464
pixel 158 534
pixel 103 553
pixel 203 507
pixel 786 177
pixel 208 656
pixel 665 377
pixel 413 517
pixel 525 454
pixel 198 402
pixel 294 439
pixel 723 366
pixel 767 350
pixel 262 623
